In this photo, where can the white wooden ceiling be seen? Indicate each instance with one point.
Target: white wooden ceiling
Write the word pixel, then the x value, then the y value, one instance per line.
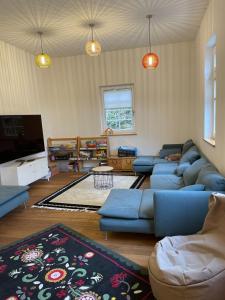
pixel 119 23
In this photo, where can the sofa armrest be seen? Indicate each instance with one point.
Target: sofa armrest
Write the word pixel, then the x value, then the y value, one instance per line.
pixel 171 146
pixel 179 212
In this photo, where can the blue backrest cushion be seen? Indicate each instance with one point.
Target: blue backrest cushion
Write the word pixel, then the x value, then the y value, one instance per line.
pixel 193 187
pixel 187 145
pixel 191 155
pixel 181 168
pixel 191 173
pixel 211 178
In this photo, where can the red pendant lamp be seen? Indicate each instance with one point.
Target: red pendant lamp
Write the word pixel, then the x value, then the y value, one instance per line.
pixel 150 60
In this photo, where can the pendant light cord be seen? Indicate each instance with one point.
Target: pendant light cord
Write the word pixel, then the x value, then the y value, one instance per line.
pixel 40 34
pixel 149 32
pixel 92 33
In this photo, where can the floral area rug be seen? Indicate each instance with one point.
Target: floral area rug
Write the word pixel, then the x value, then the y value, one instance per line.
pixel 59 263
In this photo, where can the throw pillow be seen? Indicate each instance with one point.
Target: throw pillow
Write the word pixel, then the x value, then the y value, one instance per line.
pixel 181 168
pixel 211 178
pixel 194 187
pixel 191 155
pixel 166 152
pixel 191 174
pixel 187 145
pixel 174 157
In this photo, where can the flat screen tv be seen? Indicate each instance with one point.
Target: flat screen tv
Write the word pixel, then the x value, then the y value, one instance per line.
pixel 20 136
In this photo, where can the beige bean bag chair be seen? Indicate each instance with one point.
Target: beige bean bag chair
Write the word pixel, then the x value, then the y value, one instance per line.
pixel 192 267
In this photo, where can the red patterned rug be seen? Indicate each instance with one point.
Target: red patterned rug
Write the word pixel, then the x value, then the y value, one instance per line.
pixel 59 263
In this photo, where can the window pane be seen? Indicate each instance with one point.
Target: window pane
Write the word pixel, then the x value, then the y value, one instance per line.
pixel 118 108
pixel 214 88
pixel 118 98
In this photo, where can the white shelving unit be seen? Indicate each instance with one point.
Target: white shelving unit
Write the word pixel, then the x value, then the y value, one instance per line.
pixel 24 173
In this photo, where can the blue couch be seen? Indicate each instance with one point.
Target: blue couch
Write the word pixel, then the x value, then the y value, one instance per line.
pixel 11 197
pixel 176 203
pixel 145 164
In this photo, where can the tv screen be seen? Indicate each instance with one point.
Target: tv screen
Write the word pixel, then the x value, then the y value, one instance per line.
pixel 20 136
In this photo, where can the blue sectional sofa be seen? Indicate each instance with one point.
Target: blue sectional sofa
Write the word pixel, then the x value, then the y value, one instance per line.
pixel 145 164
pixel 11 197
pixel 176 203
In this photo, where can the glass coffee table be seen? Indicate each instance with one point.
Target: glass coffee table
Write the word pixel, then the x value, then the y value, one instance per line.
pixel 103 177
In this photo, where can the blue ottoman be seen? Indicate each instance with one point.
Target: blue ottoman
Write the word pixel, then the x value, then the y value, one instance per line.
pixel 11 197
pixel 128 211
pixel 145 164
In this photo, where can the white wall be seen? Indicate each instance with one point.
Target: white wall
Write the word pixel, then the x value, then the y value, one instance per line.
pixel 162 98
pixel 19 90
pixel 213 22
pixel 68 97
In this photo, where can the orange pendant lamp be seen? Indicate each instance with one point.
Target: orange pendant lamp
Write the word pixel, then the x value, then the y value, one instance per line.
pixel 150 60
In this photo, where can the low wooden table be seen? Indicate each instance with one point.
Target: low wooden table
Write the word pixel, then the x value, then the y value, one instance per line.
pixel 121 163
pixel 103 177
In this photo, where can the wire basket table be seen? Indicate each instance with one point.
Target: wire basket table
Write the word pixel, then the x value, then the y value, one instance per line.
pixel 103 177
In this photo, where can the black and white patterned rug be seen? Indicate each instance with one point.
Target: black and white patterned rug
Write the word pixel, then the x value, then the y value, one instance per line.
pixel 80 194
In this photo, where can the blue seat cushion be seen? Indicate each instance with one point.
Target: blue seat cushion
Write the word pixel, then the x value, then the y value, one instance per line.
pixel 211 178
pixel 191 173
pixel 164 169
pixel 148 161
pixel 143 169
pixel 9 192
pixel 194 187
pixel 146 210
pixel 122 203
pixel 166 182
pixel 143 161
pixel 181 168
pixel 191 155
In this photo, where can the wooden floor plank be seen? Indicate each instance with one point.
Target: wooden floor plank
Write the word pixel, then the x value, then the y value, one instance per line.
pixel 22 222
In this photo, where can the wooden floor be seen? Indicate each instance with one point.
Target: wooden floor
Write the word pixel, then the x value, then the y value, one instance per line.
pixel 22 222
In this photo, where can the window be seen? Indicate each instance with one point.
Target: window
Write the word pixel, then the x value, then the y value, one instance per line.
pixel 210 92
pixel 118 111
pixel 214 94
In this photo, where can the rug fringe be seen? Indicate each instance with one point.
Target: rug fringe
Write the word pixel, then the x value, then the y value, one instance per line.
pixel 66 209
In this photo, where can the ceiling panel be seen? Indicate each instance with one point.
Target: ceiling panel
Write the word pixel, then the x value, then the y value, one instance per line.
pixel 119 23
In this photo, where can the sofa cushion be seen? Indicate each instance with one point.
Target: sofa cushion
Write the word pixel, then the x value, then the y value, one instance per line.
pixel 166 182
pixel 122 203
pixel 187 145
pixel 163 169
pixel 143 161
pixel 143 169
pixel 181 168
pixel 194 187
pixel 146 208
pixel 191 155
pixel 191 173
pixel 211 178
pixel 9 192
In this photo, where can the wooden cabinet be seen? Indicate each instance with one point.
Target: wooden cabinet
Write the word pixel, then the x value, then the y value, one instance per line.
pixel 121 163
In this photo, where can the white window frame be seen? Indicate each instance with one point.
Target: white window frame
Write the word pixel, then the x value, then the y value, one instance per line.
pixel 103 117
pixel 209 92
